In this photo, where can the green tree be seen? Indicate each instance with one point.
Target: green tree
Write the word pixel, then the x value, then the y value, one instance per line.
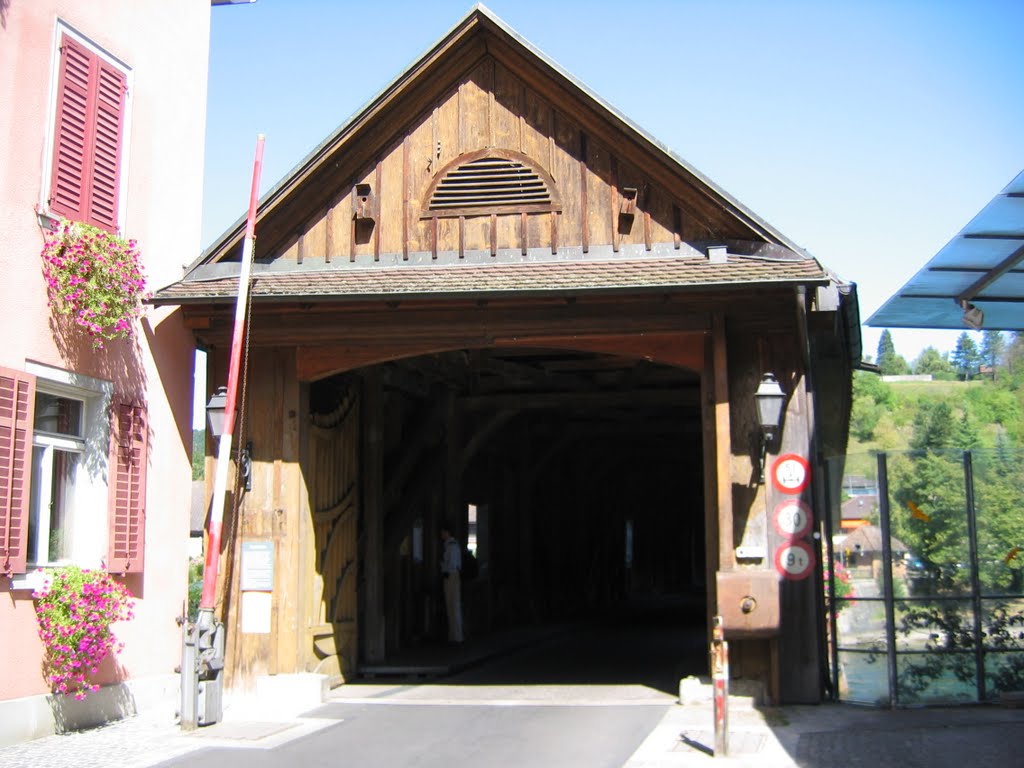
pixel 1013 358
pixel 870 385
pixel 991 404
pixel 872 397
pixel 864 416
pixel 931 362
pixel 965 357
pixel 965 434
pixel 889 363
pixel 993 346
pixel 933 426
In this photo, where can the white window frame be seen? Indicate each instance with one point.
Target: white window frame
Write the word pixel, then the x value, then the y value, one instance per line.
pixel 88 532
pixel 47 218
pixel 42 492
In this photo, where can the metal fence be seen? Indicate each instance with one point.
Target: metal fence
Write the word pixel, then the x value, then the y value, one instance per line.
pixel 925 582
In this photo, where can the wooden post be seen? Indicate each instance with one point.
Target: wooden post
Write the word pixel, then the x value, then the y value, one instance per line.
pixel 723 446
pixel 373 520
pixel 454 514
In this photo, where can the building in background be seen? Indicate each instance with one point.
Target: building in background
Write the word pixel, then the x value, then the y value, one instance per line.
pixel 103 123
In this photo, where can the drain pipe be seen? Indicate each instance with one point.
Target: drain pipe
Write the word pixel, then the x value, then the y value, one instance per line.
pixel 202 663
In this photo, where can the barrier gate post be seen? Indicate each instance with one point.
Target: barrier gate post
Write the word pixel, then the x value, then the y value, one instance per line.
pixel 720 681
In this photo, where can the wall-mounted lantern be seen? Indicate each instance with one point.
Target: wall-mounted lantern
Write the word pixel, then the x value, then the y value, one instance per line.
pixel 769 398
pixel 215 417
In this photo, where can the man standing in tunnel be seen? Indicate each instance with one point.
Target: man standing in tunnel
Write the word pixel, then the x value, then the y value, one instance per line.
pixel 451 566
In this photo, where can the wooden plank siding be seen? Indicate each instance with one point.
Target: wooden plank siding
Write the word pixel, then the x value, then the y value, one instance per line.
pixel 491 106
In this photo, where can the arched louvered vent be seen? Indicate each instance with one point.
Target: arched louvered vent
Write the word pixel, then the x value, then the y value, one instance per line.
pixel 493 181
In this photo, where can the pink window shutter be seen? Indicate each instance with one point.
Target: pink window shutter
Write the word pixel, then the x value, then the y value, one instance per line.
pixel 73 132
pixel 128 459
pixel 111 94
pixel 17 407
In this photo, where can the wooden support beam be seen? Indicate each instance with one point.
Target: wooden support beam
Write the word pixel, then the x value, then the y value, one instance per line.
pixel 723 447
pixel 373 518
pixel 454 514
pixel 583 400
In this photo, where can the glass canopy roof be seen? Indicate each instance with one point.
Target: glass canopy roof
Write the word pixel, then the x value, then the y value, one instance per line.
pixel 982 268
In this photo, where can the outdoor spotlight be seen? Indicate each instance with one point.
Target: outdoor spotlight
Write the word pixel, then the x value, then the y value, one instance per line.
pixel 973 316
pixel 769 399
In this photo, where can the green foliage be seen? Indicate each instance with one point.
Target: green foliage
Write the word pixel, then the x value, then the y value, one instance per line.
pixel 994 405
pixel 931 363
pixel 933 426
pixel 195 586
pixel 845 592
pixel 889 363
pixel 966 358
pixel 992 347
pixel 965 434
pixel 198 453
pixel 872 398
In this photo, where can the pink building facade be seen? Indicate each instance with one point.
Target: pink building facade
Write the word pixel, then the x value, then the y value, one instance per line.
pixel 138 69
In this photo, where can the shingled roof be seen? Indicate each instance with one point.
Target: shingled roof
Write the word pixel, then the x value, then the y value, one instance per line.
pixel 327 282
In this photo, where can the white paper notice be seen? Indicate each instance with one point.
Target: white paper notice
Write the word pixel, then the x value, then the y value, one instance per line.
pixel 256 613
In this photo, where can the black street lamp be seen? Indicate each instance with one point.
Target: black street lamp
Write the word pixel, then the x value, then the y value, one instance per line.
pixel 769 399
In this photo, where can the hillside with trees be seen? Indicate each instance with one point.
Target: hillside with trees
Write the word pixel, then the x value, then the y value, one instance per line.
pixel 975 398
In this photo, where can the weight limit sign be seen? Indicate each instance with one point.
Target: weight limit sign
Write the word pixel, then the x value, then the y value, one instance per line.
pixel 794 560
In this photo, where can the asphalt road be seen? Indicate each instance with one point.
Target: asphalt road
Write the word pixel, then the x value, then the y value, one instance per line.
pixel 586 697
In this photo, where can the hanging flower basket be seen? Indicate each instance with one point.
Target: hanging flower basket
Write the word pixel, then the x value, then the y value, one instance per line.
pixel 95 278
pixel 76 610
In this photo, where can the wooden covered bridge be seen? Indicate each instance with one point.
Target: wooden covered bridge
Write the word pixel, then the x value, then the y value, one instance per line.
pixel 491 293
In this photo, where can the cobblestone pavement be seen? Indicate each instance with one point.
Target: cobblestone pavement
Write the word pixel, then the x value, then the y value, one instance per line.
pixel 152 738
pixel 136 742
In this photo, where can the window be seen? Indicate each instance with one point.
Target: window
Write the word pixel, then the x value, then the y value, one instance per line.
pixel 88 134
pixel 72 472
pixel 57 445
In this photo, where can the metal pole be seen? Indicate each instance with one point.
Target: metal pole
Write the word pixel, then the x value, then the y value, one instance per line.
pixel 890 612
pixel 720 681
pixel 212 566
pixel 833 605
pixel 972 542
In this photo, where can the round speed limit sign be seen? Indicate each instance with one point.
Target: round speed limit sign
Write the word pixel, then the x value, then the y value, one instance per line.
pixel 792 519
pixel 794 560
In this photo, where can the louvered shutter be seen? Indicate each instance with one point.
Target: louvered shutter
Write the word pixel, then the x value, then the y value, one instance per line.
pixel 128 459
pixel 17 406
pixel 106 159
pixel 87 147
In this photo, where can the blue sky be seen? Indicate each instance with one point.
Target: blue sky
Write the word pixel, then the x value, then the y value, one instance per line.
pixel 868 132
